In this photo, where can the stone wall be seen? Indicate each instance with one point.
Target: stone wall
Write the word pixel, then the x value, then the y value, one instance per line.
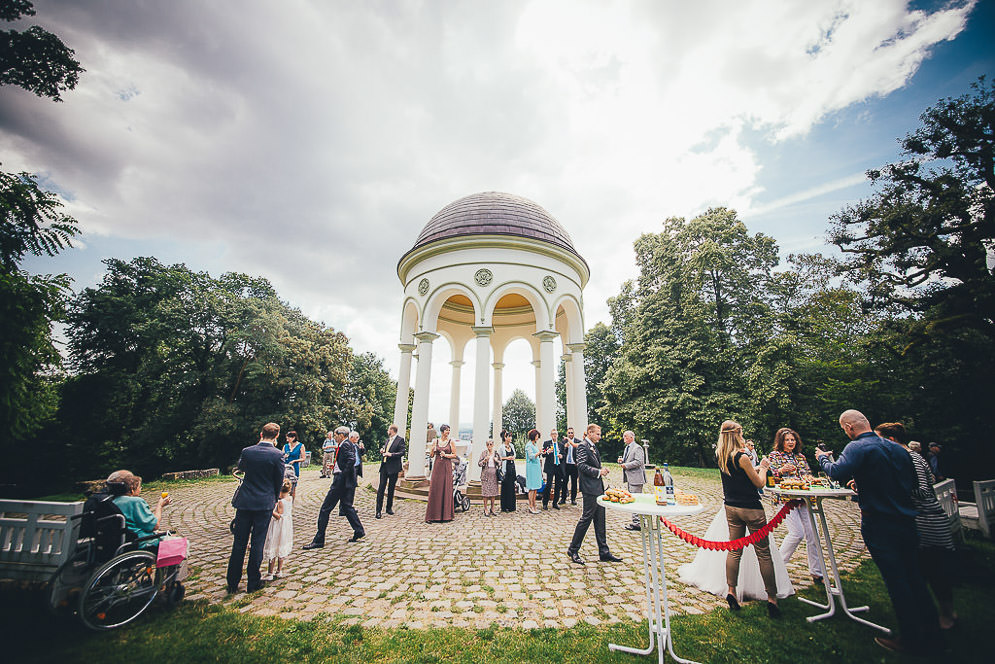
pixel 191 474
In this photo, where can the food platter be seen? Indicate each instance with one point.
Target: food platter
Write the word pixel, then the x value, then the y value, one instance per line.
pixel 645 503
pixel 812 492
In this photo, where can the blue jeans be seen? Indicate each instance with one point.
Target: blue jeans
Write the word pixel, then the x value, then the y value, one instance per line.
pixel 893 544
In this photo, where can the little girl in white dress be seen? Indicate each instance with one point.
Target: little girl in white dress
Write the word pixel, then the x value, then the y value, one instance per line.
pixel 280 536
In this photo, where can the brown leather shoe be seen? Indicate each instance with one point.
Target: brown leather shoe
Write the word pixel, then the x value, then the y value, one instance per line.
pixel 894 645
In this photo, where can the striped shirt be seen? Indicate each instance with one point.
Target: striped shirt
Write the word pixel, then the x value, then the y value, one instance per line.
pixel 931 521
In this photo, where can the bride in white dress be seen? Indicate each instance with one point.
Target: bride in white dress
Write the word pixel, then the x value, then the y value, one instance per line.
pixel 708 569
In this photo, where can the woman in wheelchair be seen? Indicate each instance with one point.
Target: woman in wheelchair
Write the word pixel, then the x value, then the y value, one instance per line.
pixel 140 520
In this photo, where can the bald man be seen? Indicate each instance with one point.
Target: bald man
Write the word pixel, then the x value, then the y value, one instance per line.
pixel 885 479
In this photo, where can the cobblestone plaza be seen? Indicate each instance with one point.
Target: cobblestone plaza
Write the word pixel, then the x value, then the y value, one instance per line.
pixel 511 570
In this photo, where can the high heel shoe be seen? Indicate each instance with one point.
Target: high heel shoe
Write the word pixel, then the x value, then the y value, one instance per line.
pixel 772 610
pixel 733 602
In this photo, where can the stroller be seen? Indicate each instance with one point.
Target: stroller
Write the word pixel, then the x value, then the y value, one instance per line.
pixel 460 500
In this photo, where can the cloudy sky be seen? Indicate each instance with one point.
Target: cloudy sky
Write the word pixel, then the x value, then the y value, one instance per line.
pixel 309 141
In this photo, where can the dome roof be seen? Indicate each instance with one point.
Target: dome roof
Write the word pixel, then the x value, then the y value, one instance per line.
pixel 495 213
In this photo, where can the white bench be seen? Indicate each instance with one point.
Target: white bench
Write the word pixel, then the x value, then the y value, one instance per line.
pixel 980 515
pixel 946 494
pixel 36 537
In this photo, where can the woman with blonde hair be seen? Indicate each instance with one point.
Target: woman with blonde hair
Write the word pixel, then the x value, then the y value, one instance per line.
pixel 750 573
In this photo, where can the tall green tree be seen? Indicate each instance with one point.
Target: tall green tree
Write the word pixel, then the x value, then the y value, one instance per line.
pixel 692 323
pixel 31 222
pixel 370 401
pixel 519 413
pixel 174 367
pixel 923 243
pixel 601 350
pixel 922 249
pixel 35 59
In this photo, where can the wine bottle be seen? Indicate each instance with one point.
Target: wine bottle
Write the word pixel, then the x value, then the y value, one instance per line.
pixel 658 488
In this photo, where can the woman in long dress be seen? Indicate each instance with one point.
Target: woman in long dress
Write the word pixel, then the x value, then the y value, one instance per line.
pixel 533 469
pixel 441 507
pixel 489 464
pixel 509 487
pixel 737 575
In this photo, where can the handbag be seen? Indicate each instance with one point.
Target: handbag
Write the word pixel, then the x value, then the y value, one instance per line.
pixel 172 551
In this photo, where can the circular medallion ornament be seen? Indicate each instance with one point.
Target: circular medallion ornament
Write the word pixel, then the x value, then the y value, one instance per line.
pixel 549 283
pixel 483 277
pixel 423 286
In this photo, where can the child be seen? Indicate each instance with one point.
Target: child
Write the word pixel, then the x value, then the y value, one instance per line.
pixel 280 537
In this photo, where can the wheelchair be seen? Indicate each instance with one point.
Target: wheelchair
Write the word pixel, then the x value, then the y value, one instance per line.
pixel 109 580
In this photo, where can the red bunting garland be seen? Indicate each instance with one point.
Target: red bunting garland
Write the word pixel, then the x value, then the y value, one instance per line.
pixel 740 543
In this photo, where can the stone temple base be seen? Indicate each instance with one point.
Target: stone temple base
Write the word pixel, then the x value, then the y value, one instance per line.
pixel 416 488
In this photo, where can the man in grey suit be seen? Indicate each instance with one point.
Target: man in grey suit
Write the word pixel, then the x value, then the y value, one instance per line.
pixel 254 502
pixel 390 468
pixel 633 462
pixel 591 486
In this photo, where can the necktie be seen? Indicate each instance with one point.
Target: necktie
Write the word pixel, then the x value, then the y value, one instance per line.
pixel 556 454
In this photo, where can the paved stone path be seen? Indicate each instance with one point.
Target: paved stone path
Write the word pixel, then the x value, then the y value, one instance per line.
pixel 511 569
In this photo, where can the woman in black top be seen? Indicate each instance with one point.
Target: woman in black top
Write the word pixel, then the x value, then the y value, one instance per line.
pixel 743 510
pixel 509 490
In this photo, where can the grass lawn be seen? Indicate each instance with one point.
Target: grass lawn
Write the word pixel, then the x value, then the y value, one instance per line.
pixel 200 632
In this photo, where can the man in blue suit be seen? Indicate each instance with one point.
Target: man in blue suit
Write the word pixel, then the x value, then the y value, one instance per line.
pixel 253 503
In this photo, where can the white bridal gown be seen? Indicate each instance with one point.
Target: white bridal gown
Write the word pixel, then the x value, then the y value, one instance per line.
pixel 708 569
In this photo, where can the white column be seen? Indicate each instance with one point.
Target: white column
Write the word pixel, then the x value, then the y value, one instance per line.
pixel 481 398
pixel 537 364
pixel 403 387
pixel 496 416
pixel 419 409
pixel 579 387
pixel 546 413
pixel 454 398
pixel 568 389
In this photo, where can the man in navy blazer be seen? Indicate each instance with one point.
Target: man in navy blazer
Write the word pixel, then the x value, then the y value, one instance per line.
pixel 342 491
pixel 253 503
pixel 392 452
pixel 591 486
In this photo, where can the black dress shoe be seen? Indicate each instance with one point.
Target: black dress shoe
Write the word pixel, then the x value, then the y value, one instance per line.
pixel 232 590
pixel 772 610
pixel 573 502
pixel 732 602
pixel 314 545
pixel 262 584
pixel 379 515
pixel 390 512
pixel 357 536
pixel 556 506
pixel 575 558
pixel 632 526
pixel 545 508
pixel 610 559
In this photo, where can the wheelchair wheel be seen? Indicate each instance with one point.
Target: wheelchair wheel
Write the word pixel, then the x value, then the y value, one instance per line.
pixel 119 591
pixel 67 583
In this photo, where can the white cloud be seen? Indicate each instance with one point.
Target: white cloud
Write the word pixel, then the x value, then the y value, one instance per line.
pixel 327 134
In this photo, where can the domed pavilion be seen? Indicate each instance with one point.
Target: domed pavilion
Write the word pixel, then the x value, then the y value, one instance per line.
pixel 495 267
